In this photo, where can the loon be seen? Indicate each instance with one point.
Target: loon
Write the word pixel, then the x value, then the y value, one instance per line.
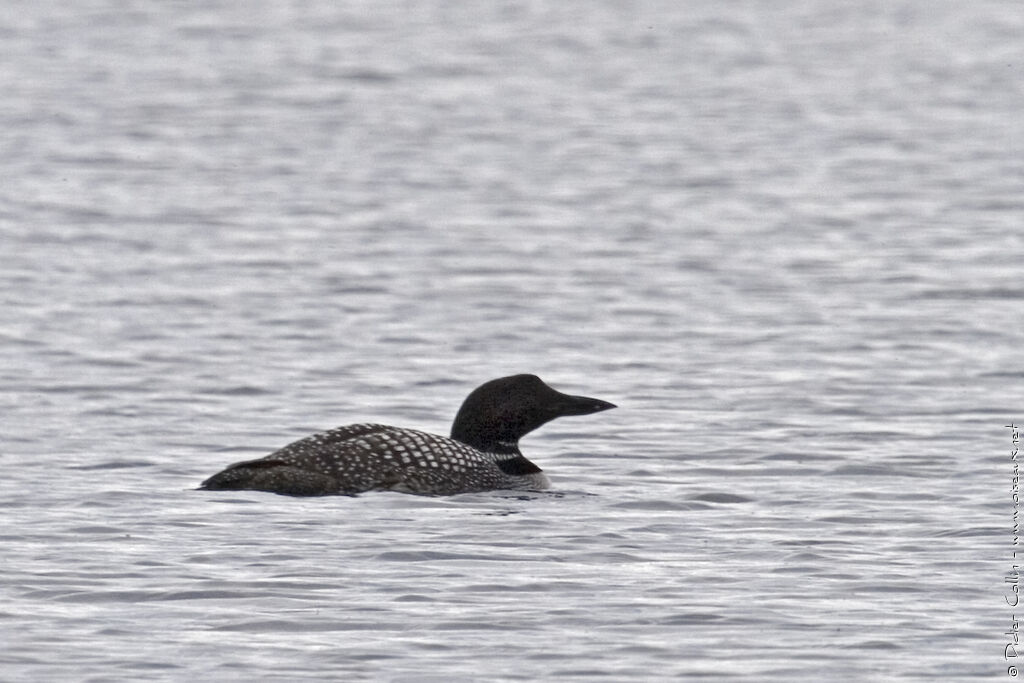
pixel 482 453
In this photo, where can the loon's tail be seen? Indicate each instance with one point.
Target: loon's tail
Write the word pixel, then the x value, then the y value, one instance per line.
pixel 271 475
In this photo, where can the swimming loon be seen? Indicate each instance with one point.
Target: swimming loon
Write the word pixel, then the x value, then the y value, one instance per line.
pixel 482 453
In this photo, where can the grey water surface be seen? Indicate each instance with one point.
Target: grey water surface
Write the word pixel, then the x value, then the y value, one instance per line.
pixel 785 238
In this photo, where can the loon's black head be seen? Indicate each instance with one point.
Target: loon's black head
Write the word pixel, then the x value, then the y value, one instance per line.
pixel 497 414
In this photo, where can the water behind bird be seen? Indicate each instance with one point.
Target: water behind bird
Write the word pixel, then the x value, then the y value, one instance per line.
pixel 782 241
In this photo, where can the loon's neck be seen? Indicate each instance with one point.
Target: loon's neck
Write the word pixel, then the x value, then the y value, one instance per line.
pixel 509 448
pixel 488 438
pixel 508 457
pixel 517 466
